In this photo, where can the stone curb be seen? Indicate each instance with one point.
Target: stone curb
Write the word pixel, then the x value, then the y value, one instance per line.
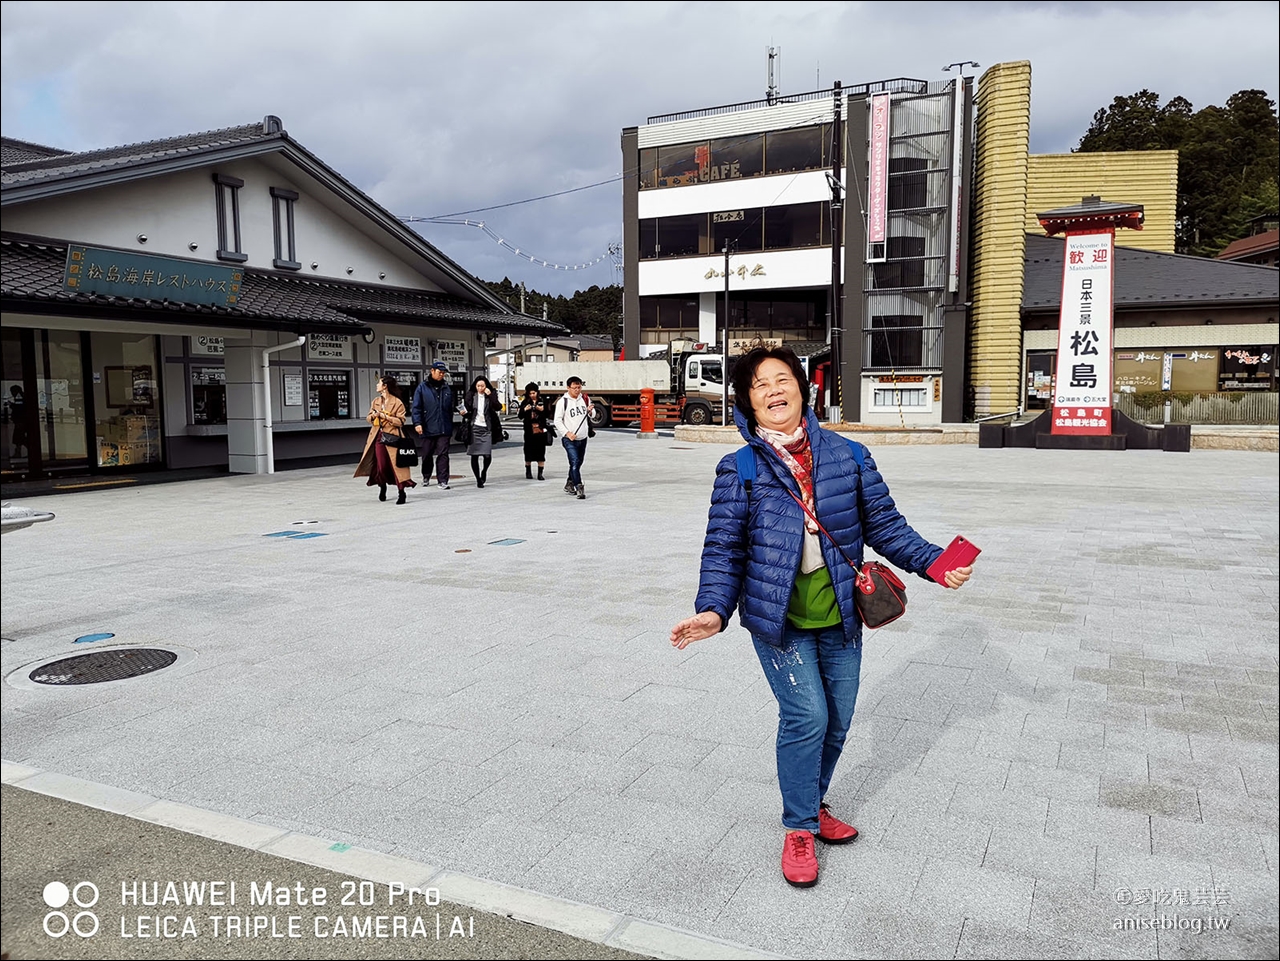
pixel 584 921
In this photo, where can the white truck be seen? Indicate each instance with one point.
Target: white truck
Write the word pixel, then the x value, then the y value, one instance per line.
pixel 688 385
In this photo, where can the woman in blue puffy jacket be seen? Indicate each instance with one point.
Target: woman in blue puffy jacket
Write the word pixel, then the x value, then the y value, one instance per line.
pixel 767 556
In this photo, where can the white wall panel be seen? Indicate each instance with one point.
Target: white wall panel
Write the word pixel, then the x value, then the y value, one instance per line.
pixel 801 188
pixel 764 271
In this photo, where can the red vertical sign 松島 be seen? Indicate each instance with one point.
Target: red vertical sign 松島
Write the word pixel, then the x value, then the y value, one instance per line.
pixel 1082 389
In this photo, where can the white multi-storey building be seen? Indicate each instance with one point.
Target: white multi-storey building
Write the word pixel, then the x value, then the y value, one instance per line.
pixel 757 178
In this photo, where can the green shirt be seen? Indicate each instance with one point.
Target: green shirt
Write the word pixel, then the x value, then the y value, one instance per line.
pixel 813 601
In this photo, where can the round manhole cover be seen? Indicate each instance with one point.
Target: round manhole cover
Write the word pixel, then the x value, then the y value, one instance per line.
pixel 103 666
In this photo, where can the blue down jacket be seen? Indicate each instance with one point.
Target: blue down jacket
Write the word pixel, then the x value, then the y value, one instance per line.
pixel 752 554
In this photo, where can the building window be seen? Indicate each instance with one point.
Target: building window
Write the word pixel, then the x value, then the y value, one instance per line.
pixel 329 394
pixel 227 194
pixel 747 230
pixel 905 266
pixel 282 202
pixel 208 395
pixel 669 313
pixel 897 340
pixel 788 151
pixel 908 183
pixel 899 397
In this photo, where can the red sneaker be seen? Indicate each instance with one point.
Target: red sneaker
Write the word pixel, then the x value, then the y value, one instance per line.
pixel 831 830
pixel 799 860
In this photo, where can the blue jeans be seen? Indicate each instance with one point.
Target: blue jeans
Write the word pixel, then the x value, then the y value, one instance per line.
pixel 577 451
pixel 814 676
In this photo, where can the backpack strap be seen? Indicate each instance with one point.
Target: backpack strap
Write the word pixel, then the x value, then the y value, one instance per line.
pixel 747 464
pixel 747 469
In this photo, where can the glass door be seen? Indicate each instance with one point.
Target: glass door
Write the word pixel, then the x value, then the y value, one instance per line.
pixel 16 420
pixel 63 418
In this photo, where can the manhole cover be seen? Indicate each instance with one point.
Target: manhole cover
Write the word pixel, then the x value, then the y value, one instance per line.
pixel 103 666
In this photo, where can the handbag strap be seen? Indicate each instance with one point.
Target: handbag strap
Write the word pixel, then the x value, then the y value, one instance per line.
pixel 804 507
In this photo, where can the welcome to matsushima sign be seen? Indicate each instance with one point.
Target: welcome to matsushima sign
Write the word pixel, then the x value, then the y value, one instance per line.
pixel 1082 387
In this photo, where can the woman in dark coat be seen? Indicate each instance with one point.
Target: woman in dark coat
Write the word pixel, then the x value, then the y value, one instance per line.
pixel 769 554
pixel 483 426
pixel 536 415
pixel 387 415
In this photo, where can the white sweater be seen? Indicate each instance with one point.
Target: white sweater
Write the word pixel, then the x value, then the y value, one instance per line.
pixel 571 415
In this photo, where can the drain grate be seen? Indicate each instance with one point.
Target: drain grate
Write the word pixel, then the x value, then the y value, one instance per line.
pixel 103 666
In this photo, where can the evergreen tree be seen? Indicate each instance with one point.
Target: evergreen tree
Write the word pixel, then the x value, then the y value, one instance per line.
pixel 1228 159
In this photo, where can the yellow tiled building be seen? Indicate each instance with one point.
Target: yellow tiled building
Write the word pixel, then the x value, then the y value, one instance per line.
pixel 1010 187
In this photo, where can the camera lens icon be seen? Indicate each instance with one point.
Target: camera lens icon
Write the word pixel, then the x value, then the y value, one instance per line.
pixel 57 896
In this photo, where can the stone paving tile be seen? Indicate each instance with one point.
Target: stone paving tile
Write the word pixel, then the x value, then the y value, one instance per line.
pixel 904 933
pixel 980 939
pixel 1106 827
pixel 948 889
pixel 1049 782
pixel 938 836
pixel 1016 851
pixel 1145 797
pixel 1227 848
pixel 999 807
pixel 1065 910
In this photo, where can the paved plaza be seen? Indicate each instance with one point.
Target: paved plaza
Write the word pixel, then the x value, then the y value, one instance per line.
pixel 1073 756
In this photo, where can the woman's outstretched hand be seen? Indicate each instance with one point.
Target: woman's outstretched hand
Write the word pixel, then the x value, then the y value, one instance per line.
pixel 695 629
pixel 955 578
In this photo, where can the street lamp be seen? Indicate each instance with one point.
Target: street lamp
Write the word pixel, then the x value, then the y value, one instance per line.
pixel 724 356
pixel 962 64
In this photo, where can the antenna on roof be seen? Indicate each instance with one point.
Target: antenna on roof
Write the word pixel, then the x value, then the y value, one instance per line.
pixel 775 74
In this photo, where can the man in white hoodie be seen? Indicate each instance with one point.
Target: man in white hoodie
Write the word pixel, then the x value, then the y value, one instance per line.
pixel 572 410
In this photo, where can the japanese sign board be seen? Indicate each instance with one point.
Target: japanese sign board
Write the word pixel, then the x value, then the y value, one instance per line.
pixel 293 390
pixel 120 273
pixel 329 347
pixel 878 174
pixel 453 353
pixel 1082 395
pixel 208 346
pixel 402 350
pixel 1247 368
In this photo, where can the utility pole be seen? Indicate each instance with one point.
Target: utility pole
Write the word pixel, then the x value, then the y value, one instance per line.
pixel 837 247
pixel 724 357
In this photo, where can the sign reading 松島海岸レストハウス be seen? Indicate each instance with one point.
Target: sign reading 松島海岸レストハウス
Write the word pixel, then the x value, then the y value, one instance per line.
pixel 1082 389
pixel 122 273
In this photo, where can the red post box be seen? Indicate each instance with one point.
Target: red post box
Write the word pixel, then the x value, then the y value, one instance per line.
pixel 646 411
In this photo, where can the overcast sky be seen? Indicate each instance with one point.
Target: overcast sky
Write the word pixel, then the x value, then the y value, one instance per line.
pixel 440 107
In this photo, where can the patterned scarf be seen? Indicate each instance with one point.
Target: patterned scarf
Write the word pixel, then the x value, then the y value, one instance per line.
pixel 796 453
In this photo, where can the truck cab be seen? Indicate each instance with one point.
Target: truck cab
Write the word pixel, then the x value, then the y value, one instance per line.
pixel 701 384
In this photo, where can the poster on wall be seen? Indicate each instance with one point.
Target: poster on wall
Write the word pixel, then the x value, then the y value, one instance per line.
pixel 402 350
pixel 329 347
pixel 1082 400
pixel 453 353
pixel 293 390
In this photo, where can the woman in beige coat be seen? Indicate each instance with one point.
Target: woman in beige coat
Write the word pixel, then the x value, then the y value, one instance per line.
pixel 378 462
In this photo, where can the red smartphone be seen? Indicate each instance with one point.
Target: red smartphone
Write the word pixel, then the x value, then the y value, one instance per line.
pixel 959 553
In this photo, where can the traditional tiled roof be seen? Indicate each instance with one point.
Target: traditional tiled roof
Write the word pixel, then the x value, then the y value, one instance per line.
pixel 61 164
pixel 31 272
pixel 14 151
pixel 1247 246
pixel 594 342
pixel 1148 278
